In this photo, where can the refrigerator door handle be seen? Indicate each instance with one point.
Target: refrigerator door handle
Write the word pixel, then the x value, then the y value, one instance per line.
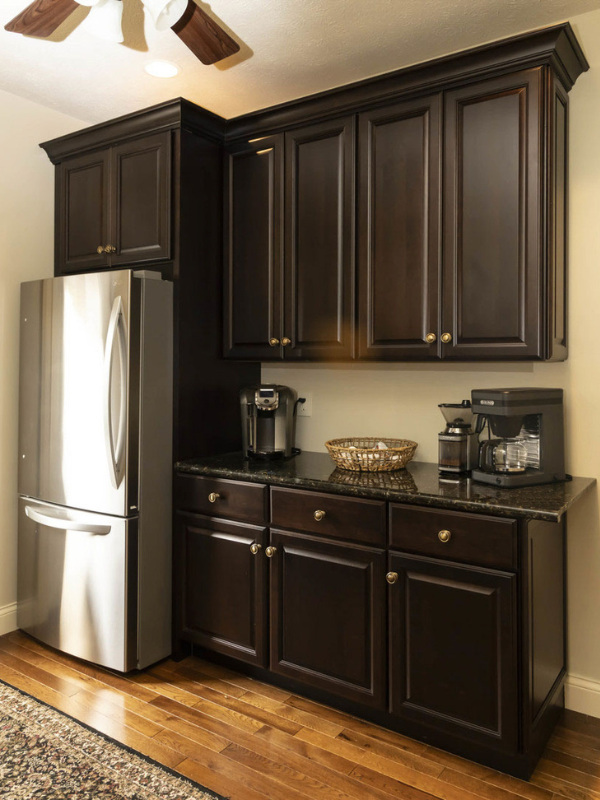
pixel 115 452
pixel 64 523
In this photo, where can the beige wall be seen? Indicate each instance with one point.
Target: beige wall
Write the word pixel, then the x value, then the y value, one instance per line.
pixel 401 400
pixel 26 253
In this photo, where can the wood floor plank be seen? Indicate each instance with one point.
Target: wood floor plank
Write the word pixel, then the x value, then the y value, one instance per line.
pixel 390 786
pixel 204 679
pixel 333 745
pixel 400 755
pixel 222 782
pixel 301 719
pixel 307 749
pixel 242 681
pixel 591 783
pixel 64 687
pixel 561 788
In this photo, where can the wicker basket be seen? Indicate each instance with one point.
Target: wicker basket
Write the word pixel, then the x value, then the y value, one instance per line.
pixel 364 457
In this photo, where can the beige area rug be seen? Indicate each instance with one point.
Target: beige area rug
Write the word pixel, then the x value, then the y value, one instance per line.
pixel 46 755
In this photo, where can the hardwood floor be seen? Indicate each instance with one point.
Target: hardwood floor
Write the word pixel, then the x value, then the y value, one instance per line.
pixel 250 741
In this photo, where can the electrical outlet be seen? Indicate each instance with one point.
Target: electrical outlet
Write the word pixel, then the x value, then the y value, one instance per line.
pixel 305 409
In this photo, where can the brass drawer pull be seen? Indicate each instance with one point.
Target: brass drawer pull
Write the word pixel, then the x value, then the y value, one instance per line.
pixel 213 497
pixel 285 341
pixel 430 338
pixel 446 337
pixel 273 342
pixel 270 551
pixel 444 536
pixel 391 578
pixel 318 515
pixel 254 548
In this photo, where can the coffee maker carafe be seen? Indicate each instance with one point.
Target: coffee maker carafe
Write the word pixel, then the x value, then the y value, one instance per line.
pixel 525 436
pixel 457 443
pixel 268 420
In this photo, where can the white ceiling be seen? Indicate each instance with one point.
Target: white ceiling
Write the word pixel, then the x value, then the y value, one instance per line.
pixel 290 48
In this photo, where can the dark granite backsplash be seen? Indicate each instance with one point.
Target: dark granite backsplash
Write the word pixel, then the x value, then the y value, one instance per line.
pixel 418 484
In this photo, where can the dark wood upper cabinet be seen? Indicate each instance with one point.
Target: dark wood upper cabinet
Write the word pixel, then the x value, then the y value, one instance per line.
pixel 254 249
pixel 328 616
pixel 319 240
pixel 117 200
pixel 398 230
pixel 453 640
pixel 142 195
pixel 83 211
pixel 493 219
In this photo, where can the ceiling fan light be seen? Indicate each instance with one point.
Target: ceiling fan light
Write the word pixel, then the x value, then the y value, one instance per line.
pixel 87 2
pixel 165 13
pixel 104 20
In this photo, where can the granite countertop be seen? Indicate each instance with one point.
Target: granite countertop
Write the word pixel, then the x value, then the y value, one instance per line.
pixel 418 484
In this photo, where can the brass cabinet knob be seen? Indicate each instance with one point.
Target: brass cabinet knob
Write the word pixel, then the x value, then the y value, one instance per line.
pixel 99 249
pixel 110 249
pixel 318 515
pixel 273 342
pixel 446 337
pixel 254 548
pixel 444 536
pixel 391 578
pixel 431 337
pixel 213 497
pixel 270 551
pixel 285 341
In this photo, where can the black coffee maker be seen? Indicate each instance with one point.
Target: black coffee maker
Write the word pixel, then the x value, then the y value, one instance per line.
pixel 525 436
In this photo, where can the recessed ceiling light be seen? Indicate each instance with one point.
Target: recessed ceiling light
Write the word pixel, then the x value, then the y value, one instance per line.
pixel 161 69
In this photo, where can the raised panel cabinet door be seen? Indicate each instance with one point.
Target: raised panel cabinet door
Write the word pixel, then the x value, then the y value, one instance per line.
pixel 220 586
pixel 493 276
pixel 398 231
pixel 83 212
pixel 319 241
pixel 254 249
pixel 142 200
pixel 453 659
pixel 328 616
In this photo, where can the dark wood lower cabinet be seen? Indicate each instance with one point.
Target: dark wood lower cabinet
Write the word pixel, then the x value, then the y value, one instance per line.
pixel 223 589
pixel 453 643
pixel 328 616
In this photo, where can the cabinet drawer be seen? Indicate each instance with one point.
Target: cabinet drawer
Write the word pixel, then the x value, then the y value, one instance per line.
pixel 474 538
pixel 342 518
pixel 234 499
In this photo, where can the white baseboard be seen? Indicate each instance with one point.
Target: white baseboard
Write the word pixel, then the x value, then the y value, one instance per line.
pixel 583 695
pixel 8 618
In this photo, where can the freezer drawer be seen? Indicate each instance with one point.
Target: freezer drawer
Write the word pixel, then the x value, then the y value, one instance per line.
pixel 77 586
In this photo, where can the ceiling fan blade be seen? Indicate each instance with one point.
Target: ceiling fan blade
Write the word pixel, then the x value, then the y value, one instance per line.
pixel 207 40
pixel 42 17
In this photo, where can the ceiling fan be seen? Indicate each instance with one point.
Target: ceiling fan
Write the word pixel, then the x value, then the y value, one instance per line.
pixel 207 40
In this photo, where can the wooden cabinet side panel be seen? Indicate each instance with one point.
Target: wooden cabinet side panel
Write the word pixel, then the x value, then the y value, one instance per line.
pixel 398 230
pixel 493 286
pixel 253 248
pixel 319 240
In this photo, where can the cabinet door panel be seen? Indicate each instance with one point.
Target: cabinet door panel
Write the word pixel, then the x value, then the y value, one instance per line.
pixel 142 223
pixel 328 616
pixel 253 248
pixel 453 649
pixel 223 593
pixel 399 210
pixel 83 212
pixel 319 240
pixel 492 256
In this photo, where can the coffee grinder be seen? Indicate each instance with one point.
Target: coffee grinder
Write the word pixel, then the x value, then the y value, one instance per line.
pixel 457 443
pixel 268 420
pixel 525 436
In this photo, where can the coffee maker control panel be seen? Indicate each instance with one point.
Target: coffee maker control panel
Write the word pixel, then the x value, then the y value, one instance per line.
pixel 266 399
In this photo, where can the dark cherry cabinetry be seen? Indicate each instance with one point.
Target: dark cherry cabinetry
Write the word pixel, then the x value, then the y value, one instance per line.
pixel 399 210
pixel 460 209
pixel 453 649
pixel 443 625
pixel 328 616
pixel 114 206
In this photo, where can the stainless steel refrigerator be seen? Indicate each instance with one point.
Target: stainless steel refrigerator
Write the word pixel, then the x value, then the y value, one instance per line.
pixel 95 466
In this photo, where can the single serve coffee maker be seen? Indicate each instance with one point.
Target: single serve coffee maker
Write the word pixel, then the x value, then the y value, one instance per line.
pixel 525 436
pixel 268 420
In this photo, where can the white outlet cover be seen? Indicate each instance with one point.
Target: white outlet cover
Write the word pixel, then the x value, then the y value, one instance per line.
pixel 305 409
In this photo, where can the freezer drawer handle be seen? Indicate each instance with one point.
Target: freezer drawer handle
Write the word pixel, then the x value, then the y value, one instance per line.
pixel 115 452
pixel 65 524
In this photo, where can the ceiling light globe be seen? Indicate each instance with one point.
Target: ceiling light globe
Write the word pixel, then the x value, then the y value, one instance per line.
pixel 104 20
pixel 165 13
pixel 161 69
